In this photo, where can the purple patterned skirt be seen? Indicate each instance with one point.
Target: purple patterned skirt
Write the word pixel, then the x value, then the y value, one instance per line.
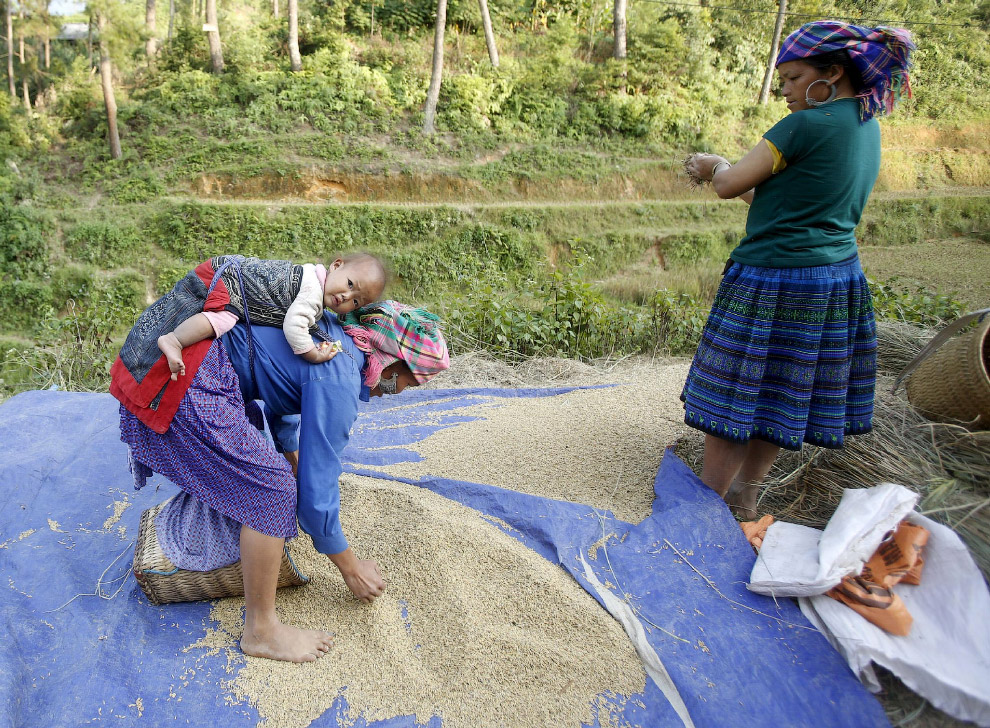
pixel 229 471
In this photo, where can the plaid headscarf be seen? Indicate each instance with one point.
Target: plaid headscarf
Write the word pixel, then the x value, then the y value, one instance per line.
pixel 882 55
pixel 388 331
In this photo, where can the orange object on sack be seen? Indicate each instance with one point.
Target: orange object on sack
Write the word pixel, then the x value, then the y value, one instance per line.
pixel 870 594
pixel 756 531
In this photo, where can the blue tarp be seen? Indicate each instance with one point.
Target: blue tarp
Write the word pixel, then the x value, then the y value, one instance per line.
pixel 735 658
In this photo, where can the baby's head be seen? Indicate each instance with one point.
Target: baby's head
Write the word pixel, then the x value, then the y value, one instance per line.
pixel 353 281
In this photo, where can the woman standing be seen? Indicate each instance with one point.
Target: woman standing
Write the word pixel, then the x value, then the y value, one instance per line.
pixel 788 354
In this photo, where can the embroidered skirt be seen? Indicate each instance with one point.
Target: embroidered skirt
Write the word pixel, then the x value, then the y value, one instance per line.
pixel 788 355
pixel 214 452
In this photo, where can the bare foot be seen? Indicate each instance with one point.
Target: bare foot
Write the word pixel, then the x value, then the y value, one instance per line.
pixel 172 349
pixel 282 642
pixel 742 501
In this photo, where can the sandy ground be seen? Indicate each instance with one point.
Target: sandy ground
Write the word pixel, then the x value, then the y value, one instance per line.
pixel 600 446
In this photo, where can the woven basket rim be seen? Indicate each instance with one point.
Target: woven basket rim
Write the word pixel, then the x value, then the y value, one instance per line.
pixel 953 383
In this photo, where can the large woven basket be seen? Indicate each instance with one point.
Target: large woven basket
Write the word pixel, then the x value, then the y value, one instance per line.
pixel 163 582
pixel 952 383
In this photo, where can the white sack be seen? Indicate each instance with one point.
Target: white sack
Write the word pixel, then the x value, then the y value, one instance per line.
pixel 797 561
pixel 946 656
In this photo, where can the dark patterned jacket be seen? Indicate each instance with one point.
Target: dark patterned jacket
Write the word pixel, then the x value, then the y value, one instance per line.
pixel 140 377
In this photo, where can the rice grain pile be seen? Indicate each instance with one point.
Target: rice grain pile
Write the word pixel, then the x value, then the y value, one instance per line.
pixel 474 626
pixel 601 447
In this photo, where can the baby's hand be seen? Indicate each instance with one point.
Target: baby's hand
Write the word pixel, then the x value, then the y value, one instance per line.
pixel 325 351
pixel 172 350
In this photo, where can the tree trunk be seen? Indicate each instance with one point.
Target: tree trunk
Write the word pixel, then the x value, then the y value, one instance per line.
pixel 27 95
pixel 275 9
pixel 106 80
pixel 294 59
pixel 171 19
pixel 150 45
pixel 46 38
pixel 10 48
pixel 213 35
pixel 768 76
pixel 433 93
pixel 486 21
pixel 619 28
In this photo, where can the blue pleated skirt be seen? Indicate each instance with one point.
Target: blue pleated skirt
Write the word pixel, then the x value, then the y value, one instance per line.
pixel 788 355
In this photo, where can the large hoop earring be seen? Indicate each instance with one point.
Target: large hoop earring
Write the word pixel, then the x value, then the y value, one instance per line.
pixel 832 91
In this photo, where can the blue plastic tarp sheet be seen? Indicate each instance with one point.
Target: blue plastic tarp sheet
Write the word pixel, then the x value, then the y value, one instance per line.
pixel 107 657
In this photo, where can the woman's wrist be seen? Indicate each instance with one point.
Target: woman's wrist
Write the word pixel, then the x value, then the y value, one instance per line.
pixel 717 166
pixel 346 561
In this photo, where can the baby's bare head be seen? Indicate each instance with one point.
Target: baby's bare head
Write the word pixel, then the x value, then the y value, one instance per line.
pixel 353 281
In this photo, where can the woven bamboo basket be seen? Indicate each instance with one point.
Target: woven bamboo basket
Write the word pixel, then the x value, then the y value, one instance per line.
pixel 162 582
pixel 953 384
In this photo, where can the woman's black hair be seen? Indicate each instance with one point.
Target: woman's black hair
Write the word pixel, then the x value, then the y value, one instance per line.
pixel 842 58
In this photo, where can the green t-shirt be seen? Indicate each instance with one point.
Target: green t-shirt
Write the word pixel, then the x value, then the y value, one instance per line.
pixel 807 213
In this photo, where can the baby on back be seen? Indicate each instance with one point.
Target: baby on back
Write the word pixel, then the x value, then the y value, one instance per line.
pixel 275 293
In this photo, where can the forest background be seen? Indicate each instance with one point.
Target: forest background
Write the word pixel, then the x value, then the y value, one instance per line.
pixel 546 214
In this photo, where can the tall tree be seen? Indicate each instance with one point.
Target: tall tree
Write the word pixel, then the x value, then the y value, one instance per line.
pixel 294 58
pixel 777 28
pixel 275 9
pixel 20 35
pixel 171 19
pixel 106 81
pixel 151 44
pixel 486 21
pixel 47 33
pixel 213 36
pixel 619 28
pixel 10 48
pixel 433 93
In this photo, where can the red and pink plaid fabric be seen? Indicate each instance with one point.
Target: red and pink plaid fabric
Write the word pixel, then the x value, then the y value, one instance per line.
pixel 882 55
pixel 388 331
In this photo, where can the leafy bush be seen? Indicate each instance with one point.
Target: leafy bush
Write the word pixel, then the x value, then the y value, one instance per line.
pixel 694 247
pixel 466 253
pixel 564 315
pixel 14 137
pixel 914 305
pixel 105 244
pixel 23 249
pixel 678 319
pixel 73 351
pixel 902 222
pixel 139 188
pixel 194 231
pixel 24 302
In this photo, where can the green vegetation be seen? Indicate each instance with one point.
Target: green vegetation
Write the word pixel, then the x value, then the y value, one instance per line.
pixel 546 216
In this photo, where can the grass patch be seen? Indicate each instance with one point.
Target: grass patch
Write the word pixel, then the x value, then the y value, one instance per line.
pixel 958 266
